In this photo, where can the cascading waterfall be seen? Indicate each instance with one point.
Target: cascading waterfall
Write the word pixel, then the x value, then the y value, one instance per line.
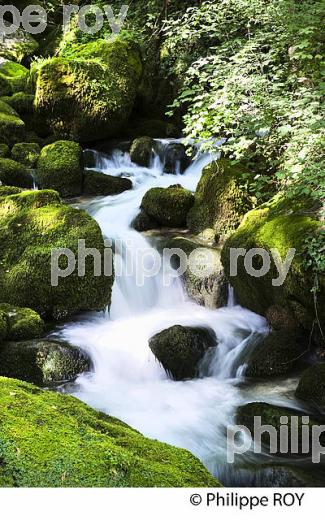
pixel 127 382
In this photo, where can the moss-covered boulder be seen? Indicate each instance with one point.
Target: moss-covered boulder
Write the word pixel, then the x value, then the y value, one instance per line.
pixel 23 323
pixel 60 167
pixel 270 415
pixel 13 173
pixel 220 203
pixel 15 75
pixel 9 190
pixel 18 45
pixel 97 183
pixel 32 225
pixel 276 354
pixel 21 102
pixel 42 362
pixel 4 151
pixel 26 153
pixel 12 128
pixel 204 279
pixel 88 92
pixel 143 222
pixel 281 224
pixel 311 386
pixel 180 349
pixel 141 151
pixel 84 448
pixel 168 206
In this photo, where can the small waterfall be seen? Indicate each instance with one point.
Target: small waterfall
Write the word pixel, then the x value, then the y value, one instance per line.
pixel 231 301
pixel 127 381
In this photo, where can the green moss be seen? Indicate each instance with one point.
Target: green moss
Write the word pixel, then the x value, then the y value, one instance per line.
pixel 96 183
pixel 168 206
pixel 312 385
pixel 4 151
pixel 141 151
pixel 14 174
pixel 276 354
pixel 26 153
pixel 3 326
pixel 23 323
pixel 12 128
pixel 53 440
pixel 220 203
pixel 32 224
pixel 18 45
pixel 89 93
pixel 60 167
pixel 22 102
pixel 15 74
pixel 42 362
pixel 5 88
pixel 282 225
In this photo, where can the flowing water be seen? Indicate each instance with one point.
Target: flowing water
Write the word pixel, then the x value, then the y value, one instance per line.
pixel 127 382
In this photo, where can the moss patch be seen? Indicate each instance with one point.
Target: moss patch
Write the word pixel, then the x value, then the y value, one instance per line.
pixel 312 385
pixel 13 173
pixel 23 323
pixel 4 151
pixel 96 183
pixel 12 128
pixel 26 153
pixel 52 440
pixel 168 206
pixel 15 75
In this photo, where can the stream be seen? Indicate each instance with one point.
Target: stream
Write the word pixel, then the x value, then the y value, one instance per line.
pixel 127 382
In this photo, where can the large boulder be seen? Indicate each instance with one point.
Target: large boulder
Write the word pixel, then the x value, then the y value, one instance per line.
pixel 26 153
pixel 168 206
pixel 84 448
pixel 220 202
pixel 42 362
pixel 12 128
pixel 143 222
pixel 180 349
pixel 270 415
pixel 97 183
pixel 281 224
pixel 88 93
pixel 276 354
pixel 32 225
pixel 13 173
pixel 142 150
pixel 204 279
pixel 60 167
pixel 22 323
pixel 311 386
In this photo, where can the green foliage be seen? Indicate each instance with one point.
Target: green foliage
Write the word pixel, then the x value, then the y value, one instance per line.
pixel 23 323
pixel 255 74
pixel 13 173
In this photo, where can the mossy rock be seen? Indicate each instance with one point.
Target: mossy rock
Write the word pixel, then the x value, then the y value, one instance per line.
pixel 12 128
pixel 88 93
pixel 168 206
pixel 21 102
pixel 276 354
pixel 42 362
pixel 23 323
pixel 220 203
pixel 204 279
pixel 26 153
pixel 9 190
pixel 280 224
pixel 311 386
pixel 18 46
pixel 175 158
pixel 4 151
pixel 143 222
pixel 97 183
pixel 32 225
pixel 5 88
pixel 142 150
pixel 270 415
pixel 13 173
pixel 60 167
pixel 180 349
pixel 15 75
pixel 53 440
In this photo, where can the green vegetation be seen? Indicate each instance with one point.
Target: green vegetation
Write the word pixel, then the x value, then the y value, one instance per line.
pixel 60 167
pixel 22 323
pixel 32 223
pixel 168 206
pixel 97 183
pixel 53 440
pixel 12 128
pixel 13 173
pixel 26 153
pixel 15 75
pixel 4 151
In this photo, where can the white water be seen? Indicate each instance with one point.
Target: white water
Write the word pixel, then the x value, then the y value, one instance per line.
pixel 127 381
